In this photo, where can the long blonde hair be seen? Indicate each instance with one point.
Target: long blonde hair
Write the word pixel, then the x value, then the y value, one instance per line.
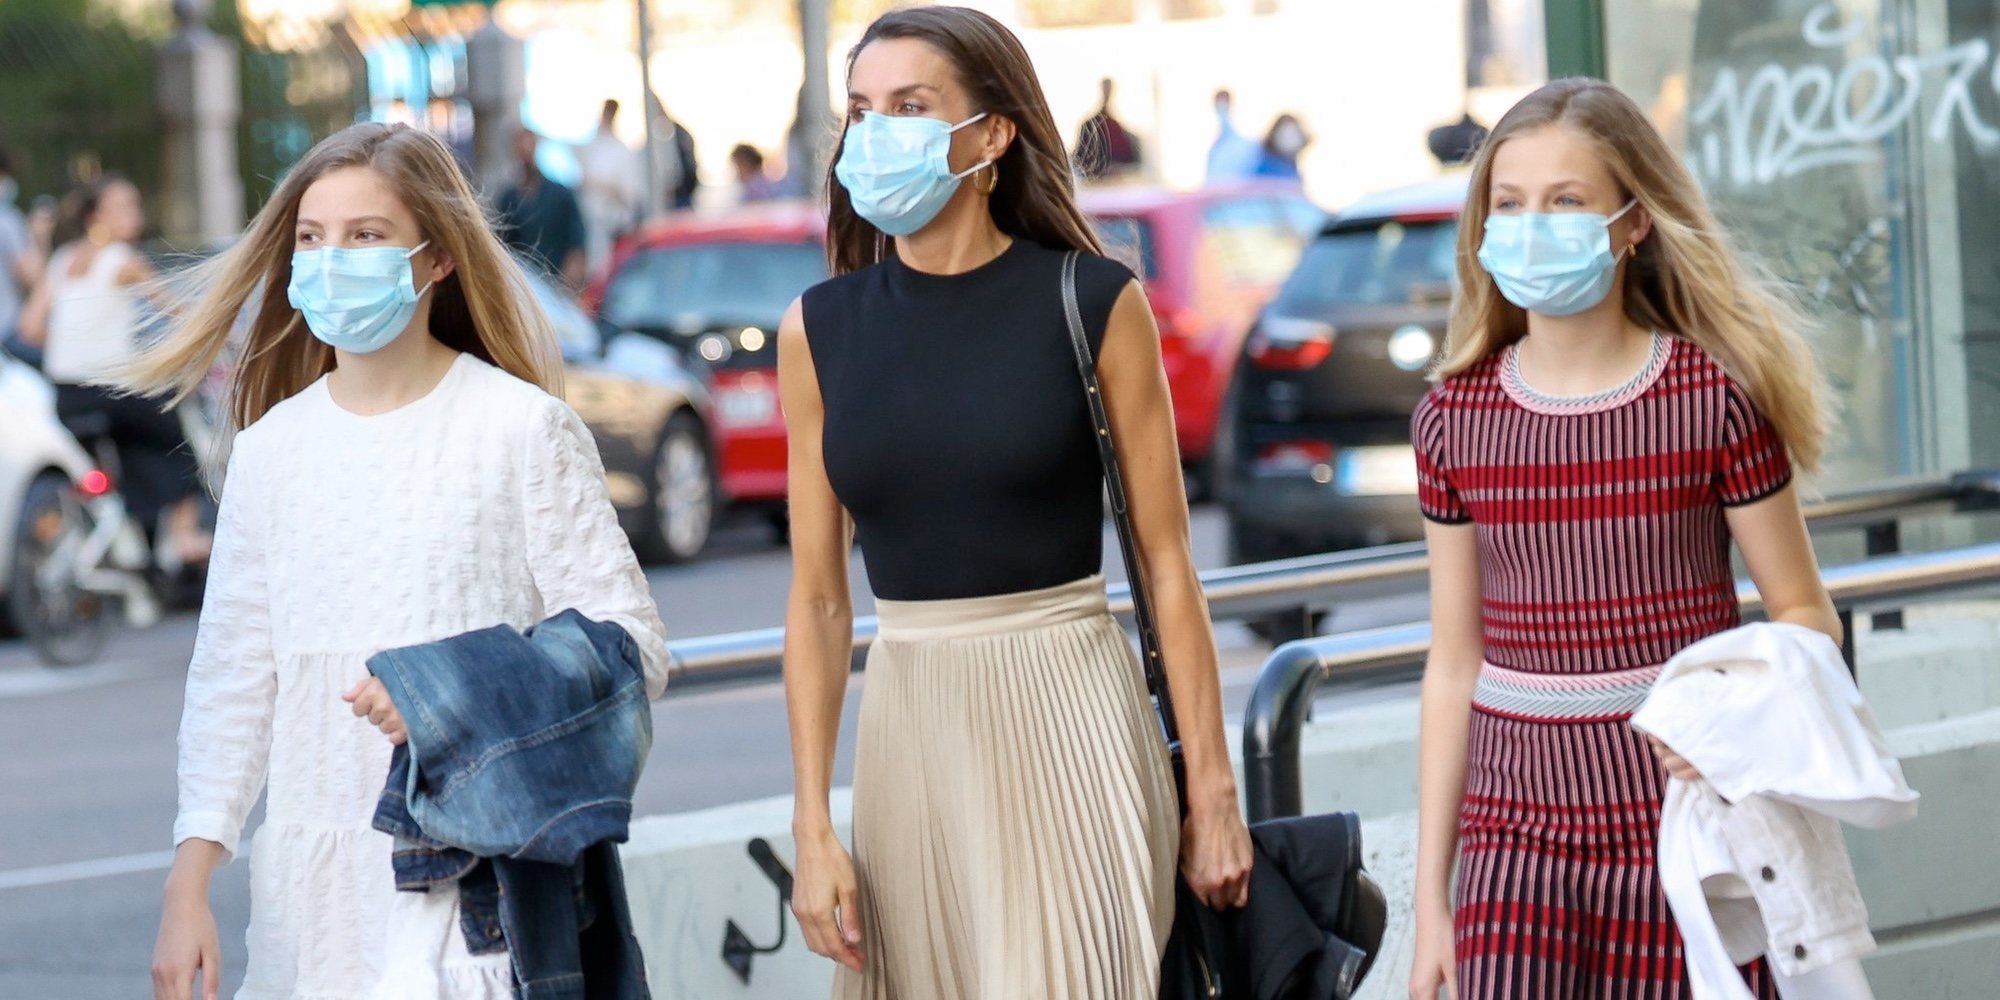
pixel 1685 278
pixel 485 307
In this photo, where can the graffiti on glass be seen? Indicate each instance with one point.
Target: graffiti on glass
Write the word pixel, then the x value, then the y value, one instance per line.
pixel 1789 119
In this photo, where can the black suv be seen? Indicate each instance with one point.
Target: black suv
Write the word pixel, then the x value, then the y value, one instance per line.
pixel 1320 440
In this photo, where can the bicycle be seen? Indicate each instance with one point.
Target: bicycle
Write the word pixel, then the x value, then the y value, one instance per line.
pixel 85 553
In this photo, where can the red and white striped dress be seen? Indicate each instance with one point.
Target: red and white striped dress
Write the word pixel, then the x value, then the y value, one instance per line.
pixel 1602 552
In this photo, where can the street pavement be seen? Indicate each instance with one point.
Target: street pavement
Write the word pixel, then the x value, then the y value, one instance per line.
pixel 87 766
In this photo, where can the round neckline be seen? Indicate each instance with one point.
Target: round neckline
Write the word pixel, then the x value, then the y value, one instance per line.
pixel 1530 398
pixel 418 404
pixel 903 272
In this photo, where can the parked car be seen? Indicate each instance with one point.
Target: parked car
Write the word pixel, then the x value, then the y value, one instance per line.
pixel 38 461
pixel 651 418
pixel 1209 260
pixel 1330 374
pixel 714 287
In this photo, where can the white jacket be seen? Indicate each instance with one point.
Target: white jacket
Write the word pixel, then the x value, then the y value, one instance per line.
pixel 1751 856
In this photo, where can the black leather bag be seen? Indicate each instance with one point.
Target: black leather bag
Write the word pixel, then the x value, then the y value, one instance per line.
pixel 1207 955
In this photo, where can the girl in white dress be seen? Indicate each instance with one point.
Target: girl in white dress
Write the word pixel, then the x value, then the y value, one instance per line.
pixel 405 473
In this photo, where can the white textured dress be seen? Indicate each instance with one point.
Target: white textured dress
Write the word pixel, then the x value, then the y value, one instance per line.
pixel 341 535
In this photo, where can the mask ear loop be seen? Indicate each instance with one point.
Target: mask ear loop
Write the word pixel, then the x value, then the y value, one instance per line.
pixel 1632 248
pixel 411 255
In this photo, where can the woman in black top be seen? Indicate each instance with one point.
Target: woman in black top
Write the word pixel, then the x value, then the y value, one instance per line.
pixel 1014 819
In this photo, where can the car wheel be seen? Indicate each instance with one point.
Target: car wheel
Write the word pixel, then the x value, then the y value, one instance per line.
pixel 683 493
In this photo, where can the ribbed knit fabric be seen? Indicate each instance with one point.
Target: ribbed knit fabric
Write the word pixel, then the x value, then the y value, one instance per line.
pixel 1015 827
pixel 1603 549
pixel 483 503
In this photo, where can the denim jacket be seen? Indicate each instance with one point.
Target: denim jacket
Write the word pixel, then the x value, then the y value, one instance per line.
pixel 516 782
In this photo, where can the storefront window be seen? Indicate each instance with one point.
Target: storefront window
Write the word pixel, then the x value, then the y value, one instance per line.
pixel 1853 147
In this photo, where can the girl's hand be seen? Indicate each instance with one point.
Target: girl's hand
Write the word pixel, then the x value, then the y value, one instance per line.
pixel 1434 967
pixel 1215 850
pixel 187 945
pixel 826 899
pixel 371 701
pixel 1676 765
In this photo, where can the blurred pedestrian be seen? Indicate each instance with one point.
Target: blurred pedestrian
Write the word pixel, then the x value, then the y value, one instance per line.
pixel 611 189
pixel 1618 399
pixel 1279 155
pixel 84 316
pixel 673 157
pixel 751 180
pixel 447 124
pixel 1104 146
pixel 1455 145
pixel 404 471
pixel 1015 823
pixel 1233 155
pixel 21 257
pixel 540 219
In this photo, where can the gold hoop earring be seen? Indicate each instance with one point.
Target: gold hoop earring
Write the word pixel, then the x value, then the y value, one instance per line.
pixel 992 179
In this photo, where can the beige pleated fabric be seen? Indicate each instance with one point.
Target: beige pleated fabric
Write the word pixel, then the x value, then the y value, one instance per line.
pixel 1015 827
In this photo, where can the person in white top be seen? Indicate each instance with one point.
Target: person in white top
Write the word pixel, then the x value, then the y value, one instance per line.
pixel 406 472
pixel 85 316
pixel 612 190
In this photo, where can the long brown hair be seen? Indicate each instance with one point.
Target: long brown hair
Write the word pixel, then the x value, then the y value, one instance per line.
pixel 1686 278
pixel 485 307
pixel 1035 198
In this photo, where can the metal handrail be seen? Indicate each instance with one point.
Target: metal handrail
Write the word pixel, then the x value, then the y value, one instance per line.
pixel 1323 580
pixel 1276 715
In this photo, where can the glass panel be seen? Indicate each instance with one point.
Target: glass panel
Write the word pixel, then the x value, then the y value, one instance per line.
pixel 1852 147
pixel 1377 264
pixel 1128 240
pixel 1255 241
pixel 712 283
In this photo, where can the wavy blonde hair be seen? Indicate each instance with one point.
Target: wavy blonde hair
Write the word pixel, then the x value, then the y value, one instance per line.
pixel 1684 279
pixel 485 307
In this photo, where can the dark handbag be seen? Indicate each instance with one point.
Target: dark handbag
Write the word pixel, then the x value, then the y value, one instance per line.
pixel 1203 957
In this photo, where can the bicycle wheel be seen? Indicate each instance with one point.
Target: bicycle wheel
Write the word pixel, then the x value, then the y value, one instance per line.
pixel 66 624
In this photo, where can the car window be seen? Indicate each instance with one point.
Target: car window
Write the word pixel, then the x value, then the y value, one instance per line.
pixel 1128 240
pixel 697 285
pixel 1375 263
pixel 575 330
pixel 1256 241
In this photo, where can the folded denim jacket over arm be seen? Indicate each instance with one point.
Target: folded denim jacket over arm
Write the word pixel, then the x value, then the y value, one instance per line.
pixel 516 783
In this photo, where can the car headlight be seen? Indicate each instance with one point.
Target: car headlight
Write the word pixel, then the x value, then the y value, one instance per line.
pixel 1410 348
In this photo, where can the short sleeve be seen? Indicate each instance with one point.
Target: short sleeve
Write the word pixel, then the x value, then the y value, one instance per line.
pixel 1436 494
pixel 578 555
pixel 1099 283
pixel 1752 461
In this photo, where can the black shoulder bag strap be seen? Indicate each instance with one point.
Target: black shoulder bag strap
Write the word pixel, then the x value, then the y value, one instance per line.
pixel 1121 514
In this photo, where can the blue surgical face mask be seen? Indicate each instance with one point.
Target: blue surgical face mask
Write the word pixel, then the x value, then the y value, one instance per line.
pixel 897 170
pixel 1552 263
pixel 355 299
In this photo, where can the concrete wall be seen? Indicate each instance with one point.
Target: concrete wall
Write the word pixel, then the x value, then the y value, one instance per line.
pixel 1933 885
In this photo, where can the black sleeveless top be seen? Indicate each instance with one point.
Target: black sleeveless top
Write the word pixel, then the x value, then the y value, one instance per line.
pixel 956 432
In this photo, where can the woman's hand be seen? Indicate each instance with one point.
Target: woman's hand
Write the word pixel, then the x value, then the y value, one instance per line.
pixel 1435 966
pixel 188 943
pixel 1215 849
pixel 826 899
pixel 371 701
pixel 1676 765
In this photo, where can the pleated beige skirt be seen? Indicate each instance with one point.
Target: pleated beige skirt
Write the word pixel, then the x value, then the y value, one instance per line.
pixel 1015 828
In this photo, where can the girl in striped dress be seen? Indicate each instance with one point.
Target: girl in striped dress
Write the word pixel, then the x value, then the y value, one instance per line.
pixel 1618 399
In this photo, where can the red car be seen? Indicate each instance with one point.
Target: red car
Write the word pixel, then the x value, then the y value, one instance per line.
pixel 717 285
pixel 1210 259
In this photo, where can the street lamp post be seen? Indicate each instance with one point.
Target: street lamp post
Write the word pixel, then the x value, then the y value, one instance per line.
pixel 495 78
pixel 812 123
pixel 197 96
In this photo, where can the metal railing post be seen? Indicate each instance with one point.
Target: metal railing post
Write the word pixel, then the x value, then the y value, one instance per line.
pixel 1277 714
pixel 1884 539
